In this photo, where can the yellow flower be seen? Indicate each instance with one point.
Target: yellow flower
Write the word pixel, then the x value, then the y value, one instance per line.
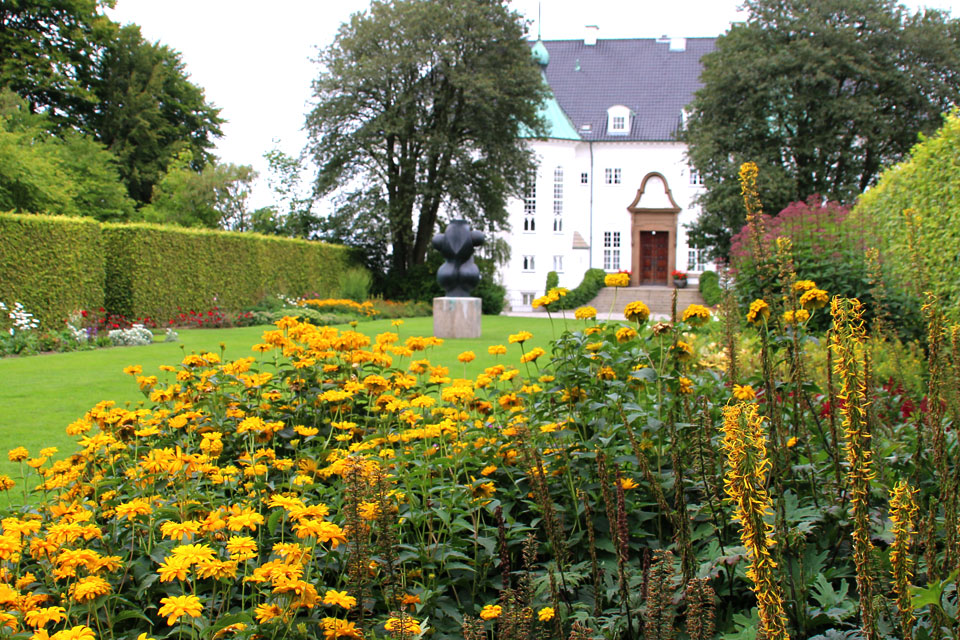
pixel 534 353
pixel 758 309
pixel 306 431
pixel 686 385
pixel 682 350
pixel 44 616
pixel 546 614
pixel 814 299
pixel 336 628
pixel 696 314
pixel 792 442
pixel 267 612
pixel 617 280
pixel 636 312
pixel 804 285
pixel 489 469
pixel 80 632
pixel 467 356
pixel 521 337
pixel 625 334
pixel 744 392
pixel 585 313
pixel 627 483
pixel 176 607
pixel 340 599
pixel 18 454
pixel 88 588
pixel 404 625
pixel 496 350
pixel 491 611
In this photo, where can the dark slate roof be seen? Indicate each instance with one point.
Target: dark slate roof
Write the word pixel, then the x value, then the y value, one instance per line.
pixel 642 74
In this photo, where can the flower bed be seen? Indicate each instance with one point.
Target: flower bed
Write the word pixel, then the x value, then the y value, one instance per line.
pixel 333 484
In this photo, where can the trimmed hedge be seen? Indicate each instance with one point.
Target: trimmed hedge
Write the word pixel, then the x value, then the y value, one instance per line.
pixel 55 265
pixel 586 291
pixel 153 270
pixel 710 288
pixel 52 264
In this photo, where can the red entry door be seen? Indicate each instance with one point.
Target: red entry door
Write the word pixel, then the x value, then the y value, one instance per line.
pixel 654 256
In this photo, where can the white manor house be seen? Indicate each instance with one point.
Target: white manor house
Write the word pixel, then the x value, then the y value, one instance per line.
pixel 613 187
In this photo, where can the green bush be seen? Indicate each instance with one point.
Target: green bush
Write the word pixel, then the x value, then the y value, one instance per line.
pixel 553 281
pixel 586 291
pixel 155 271
pixel 929 184
pixel 710 288
pixel 52 264
pixel 492 296
pixel 355 284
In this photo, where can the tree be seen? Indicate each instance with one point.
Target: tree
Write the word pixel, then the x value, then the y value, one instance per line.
pixel 147 110
pixel 822 95
pixel 66 174
pixel 47 47
pixel 213 198
pixel 420 105
pixel 295 216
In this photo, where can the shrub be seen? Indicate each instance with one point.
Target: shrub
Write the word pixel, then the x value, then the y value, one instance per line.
pixel 829 247
pixel 710 288
pixel 921 248
pixel 553 280
pixel 137 335
pixel 355 284
pixel 492 296
pixel 53 265
pixel 148 272
pixel 584 292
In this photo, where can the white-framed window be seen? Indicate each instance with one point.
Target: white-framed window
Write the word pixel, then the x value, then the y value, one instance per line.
pixel 618 120
pixel 697 259
pixel 584 177
pixel 529 223
pixel 611 250
pixel 612 176
pixel 528 263
pixel 558 264
pixel 557 224
pixel 526 298
pixel 530 195
pixel 558 200
pixel 696 179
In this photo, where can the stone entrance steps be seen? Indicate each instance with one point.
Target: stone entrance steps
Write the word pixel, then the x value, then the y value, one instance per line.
pixel 658 298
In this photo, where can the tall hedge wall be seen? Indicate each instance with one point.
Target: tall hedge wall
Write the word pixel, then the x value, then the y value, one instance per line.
pixel 52 264
pixel 153 270
pixel 929 183
pixel 55 265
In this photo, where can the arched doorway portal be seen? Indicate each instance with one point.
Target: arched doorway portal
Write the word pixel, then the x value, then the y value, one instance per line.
pixel 653 232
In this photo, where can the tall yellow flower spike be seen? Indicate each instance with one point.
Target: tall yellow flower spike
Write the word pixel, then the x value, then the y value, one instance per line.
pixel 745 445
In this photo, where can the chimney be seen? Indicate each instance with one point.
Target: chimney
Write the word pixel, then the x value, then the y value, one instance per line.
pixel 678 44
pixel 590 36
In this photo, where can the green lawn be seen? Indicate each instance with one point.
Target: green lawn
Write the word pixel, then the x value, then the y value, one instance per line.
pixel 41 395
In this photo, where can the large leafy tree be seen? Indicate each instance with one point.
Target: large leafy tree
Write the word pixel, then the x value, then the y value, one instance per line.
pixel 47 47
pixel 147 111
pixel 822 95
pixel 420 106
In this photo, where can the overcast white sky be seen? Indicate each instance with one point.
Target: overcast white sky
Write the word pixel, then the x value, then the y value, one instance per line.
pixel 253 58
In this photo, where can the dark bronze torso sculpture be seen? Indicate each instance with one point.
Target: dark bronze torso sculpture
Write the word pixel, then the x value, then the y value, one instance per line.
pixel 459 274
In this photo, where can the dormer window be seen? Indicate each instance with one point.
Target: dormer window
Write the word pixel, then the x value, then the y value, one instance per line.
pixel 618 120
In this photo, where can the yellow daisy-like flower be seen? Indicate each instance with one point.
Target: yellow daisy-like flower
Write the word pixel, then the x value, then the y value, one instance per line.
pixel 546 614
pixel 814 299
pixel 267 612
pixel 496 350
pixel 744 392
pixel 686 385
pixel 18 454
pixel 175 607
pixel 340 599
pixel 44 616
pixel 532 355
pixel 521 337
pixel 404 625
pixel 80 632
pixel 89 588
pixel 682 350
pixel 467 356
pixel 585 313
pixel 636 312
pixel 792 442
pixel 801 286
pixel 758 310
pixel 616 280
pixel 696 314
pixel 492 611
pixel 627 483
pixel 625 334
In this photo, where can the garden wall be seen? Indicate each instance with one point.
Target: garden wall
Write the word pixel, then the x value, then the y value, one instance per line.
pixel 55 265
pixel 52 264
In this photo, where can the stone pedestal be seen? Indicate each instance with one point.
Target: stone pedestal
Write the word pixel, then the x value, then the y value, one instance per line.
pixel 456 317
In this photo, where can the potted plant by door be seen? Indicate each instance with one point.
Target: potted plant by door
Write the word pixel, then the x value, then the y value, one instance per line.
pixel 679 279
